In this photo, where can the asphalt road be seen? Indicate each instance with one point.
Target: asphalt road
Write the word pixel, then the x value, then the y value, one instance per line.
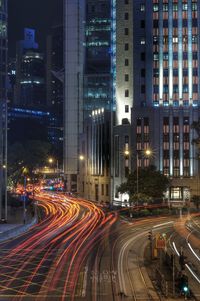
pixel 77 252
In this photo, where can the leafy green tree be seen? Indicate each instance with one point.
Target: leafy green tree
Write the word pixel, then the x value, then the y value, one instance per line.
pixel 196 200
pixel 151 184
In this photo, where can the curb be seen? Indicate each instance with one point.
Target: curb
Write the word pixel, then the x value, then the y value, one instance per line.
pixel 13 233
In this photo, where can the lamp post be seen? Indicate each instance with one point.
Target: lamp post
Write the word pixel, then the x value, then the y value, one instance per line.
pixel 147 153
pixel 24 203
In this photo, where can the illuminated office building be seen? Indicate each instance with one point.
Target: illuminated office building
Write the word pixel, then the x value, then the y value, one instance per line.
pixel 30 73
pixel 165 80
pixel 88 74
pixel 3 109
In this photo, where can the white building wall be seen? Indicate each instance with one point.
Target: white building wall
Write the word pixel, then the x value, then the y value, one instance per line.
pixel 73 58
pixel 121 55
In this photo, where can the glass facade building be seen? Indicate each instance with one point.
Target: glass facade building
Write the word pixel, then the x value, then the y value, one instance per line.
pixel 3 108
pixel 97 67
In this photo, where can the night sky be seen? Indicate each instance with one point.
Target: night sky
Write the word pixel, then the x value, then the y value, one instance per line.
pixel 38 14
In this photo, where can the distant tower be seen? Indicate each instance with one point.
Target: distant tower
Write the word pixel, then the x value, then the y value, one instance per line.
pixel 3 110
pixel 30 73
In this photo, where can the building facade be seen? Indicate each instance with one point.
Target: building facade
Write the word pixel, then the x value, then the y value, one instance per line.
pixel 88 73
pixel 165 99
pixel 74 12
pixel 55 81
pixel 30 73
pixel 95 160
pixel 97 62
pixel 3 109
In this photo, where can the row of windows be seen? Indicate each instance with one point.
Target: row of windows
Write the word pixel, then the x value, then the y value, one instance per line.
pixel 175 72
pixel 175 56
pixel 176 88
pixel 175 7
pixel 175 39
pixel 175 23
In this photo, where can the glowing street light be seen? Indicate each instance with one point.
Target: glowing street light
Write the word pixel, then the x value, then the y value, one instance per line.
pixel 81 157
pixel 126 153
pixel 50 160
pixel 148 152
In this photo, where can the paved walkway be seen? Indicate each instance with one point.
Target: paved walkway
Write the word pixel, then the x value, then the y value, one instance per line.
pixel 15 224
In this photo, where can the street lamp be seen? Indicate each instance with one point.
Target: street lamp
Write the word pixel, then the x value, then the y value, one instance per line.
pixel 24 172
pixel 147 153
pixel 81 157
pixel 51 160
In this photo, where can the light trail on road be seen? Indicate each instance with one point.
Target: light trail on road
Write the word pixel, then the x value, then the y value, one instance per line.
pixel 49 260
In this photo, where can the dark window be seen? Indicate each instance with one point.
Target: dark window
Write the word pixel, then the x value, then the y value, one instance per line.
pixel 126 93
pixel 126 139
pixel 142 23
pixel 143 90
pixel 142 56
pixel 165 23
pixel 126 108
pixel 155 23
pixel 146 121
pixel 126 46
pixel 126 16
pixel 126 1
pixel 126 77
pixel 176 121
pixel 143 73
pixel 185 23
pixel 166 120
pixel 126 62
pixel 126 31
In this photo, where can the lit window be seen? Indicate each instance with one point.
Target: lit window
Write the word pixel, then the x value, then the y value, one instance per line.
pixel 185 6
pixel 142 41
pixel 155 56
pixel 155 7
pixel 175 7
pixel 175 40
pixel 142 7
pixel 194 6
pixel 165 7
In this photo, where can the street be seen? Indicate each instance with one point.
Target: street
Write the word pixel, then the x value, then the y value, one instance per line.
pixel 79 252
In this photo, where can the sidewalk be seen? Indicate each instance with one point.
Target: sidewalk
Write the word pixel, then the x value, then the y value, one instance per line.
pixel 15 224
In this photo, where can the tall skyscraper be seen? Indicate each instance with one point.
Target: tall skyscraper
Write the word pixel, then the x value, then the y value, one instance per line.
pixel 159 41
pixel 55 83
pixel 88 74
pixel 97 62
pixel 73 93
pixel 30 73
pixel 3 109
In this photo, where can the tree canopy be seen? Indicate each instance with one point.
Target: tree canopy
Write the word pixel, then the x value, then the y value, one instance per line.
pixel 33 153
pixel 151 184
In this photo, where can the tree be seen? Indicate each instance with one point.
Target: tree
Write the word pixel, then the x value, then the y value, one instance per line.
pixel 151 184
pixel 196 200
pixel 33 153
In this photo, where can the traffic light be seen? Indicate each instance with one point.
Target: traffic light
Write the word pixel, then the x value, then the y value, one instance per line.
pixel 182 261
pixel 184 284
